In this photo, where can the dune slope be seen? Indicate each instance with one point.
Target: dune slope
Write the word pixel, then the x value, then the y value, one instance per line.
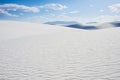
pixel 30 51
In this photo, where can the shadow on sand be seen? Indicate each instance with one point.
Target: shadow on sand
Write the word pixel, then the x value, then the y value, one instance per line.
pixel 85 27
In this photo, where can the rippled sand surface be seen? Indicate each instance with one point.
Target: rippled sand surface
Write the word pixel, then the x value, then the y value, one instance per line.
pixel 31 51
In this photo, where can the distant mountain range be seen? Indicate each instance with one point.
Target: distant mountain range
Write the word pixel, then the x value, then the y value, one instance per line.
pixel 87 26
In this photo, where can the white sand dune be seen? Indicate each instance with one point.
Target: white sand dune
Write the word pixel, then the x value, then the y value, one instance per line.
pixel 30 51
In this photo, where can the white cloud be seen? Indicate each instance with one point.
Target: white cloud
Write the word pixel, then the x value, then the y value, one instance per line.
pixel 54 6
pixel 5 8
pixel 15 7
pixel 107 18
pixel 63 17
pixel 101 18
pixel 115 8
pixel 6 13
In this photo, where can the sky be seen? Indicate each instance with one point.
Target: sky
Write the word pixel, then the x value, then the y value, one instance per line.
pixel 41 11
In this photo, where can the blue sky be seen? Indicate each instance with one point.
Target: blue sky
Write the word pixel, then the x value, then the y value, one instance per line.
pixel 60 10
